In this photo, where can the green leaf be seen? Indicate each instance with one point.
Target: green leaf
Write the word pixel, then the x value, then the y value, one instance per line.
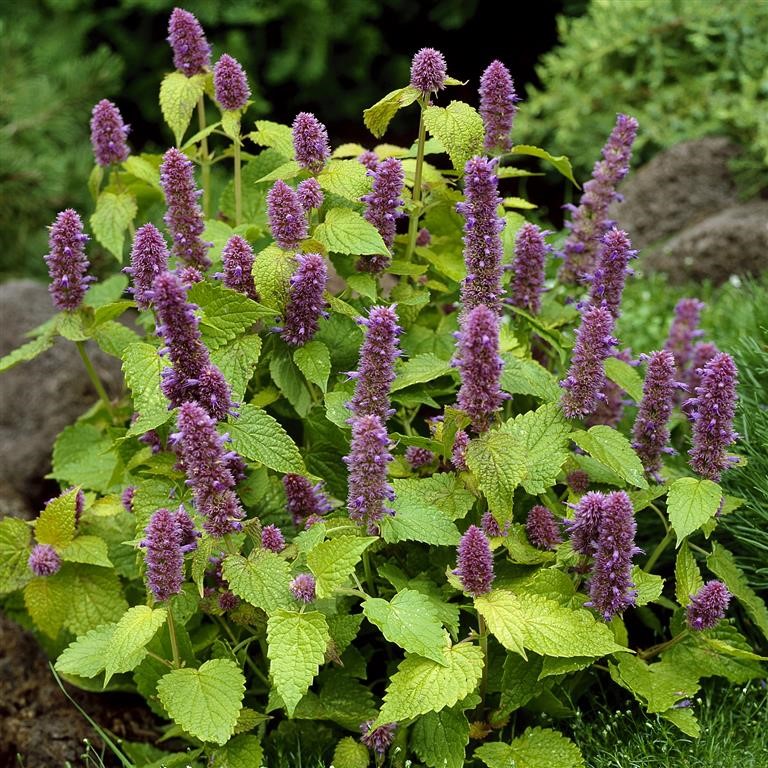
pixel 417 520
pixel 91 550
pixel 345 178
pixel 125 649
pixel 144 169
pixel 444 491
pixel 613 450
pixel 561 162
pixel 205 702
pixel 440 738
pixel 56 524
pixel 86 656
pixel 230 123
pixel 346 231
pixel 459 128
pixel 113 338
pixel 296 649
pixel 259 437
pixel 111 219
pixel 520 682
pixel 420 370
pixel 421 685
pixel 625 376
pixel 649 586
pixel 336 410
pixel 333 561
pixel 286 171
pixel 83 455
pixel 275 135
pixel 46 598
pixel 690 503
pixel 527 377
pixel 15 547
pixel 350 753
pixel 94 596
pixel 364 283
pixel 178 99
pixel 378 117
pixel 272 270
pixel 688 579
pixel 28 351
pixel 658 686
pixel 410 621
pixel 722 563
pixel 500 612
pixel 289 381
pixel 142 368
pixel 262 579
pixel 314 361
pixel 684 719
pixel 536 748
pixel 242 751
pixel 237 360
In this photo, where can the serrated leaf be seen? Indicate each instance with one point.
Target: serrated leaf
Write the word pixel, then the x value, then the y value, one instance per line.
pixel 613 450
pixel 28 351
pixel 296 649
pixel 658 686
pixel 444 491
pixel 261 579
pixel 143 168
pixel 378 117
pixel 561 162
pixel 230 123
pixel 459 128
pixel 417 520
pixel 690 503
pixel 440 738
pixel 91 550
pixel 684 719
pixel 625 376
pixel 15 547
pixel 286 171
pixel 111 219
pixel 242 751
pixel 289 381
pixel 649 586
pixel 527 377
pixel 236 361
pixel 350 753
pixel 346 231
pixel 500 612
pixel 275 135
pixel 536 748
pixel 345 178
pixel 125 649
pixel 113 338
pixel 336 410
pixel 205 702
pixel 178 99
pixel 259 437
pixel 333 561
pixel 94 597
pixel 365 284
pixel 56 524
pixel 410 621
pixel 520 682
pixel 87 655
pixel 272 270
pixel 45 598
pixel 421 685
pixel 342 699
pixel 83 455
pixel 142 369
pixel 314 361
pixel 419 370
pixel 688 579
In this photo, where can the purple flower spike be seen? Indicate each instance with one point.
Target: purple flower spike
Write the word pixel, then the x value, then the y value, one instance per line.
pixel 418 457
pixel 459 453
pixel 712 411
pixel 498 102
pixel 703 352
pixel 483 250
pixel 528 267
pixel 382 208
pixel 230 83
pixel 237 260
pixel 368 490
pixel 491 527
pixel 585 526
pixel 475 562
pixel 189 533
pixel 610 409
pixel 310 194
pixel 184 217
pixel 650 432
pixel 589 221
pixel 191 52
pixel 149 258
pixel 423 238
pixel 607 283
pixel 479 364
pixel 578 481
pixel 542 528
pixel 586 378
pixel 303 588
pixel 304 499
pixel 164 556
pixel 376 369
pixel 44 560
pixel 707 606
pixel 287 221
pixel 428 70
pixel 67 262
pixel 369 159
pixel 272 538
pixel 108 134
pixel 126 498
pixel 611 590
pixel 306 304
pixel 378 739
pixel 682 332
pixel 205 461
pixel 310 142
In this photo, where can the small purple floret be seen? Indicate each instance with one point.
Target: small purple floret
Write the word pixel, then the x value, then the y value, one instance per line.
pixel 44 560
pixel 418 457
pixel 578 481
pixel 428 70
pixel 303 588
pixel 491 527
pixel 191 52
pixel 382 208
pixel 272 538
pixel 683 331
pixel 423 238
pixel 585 525
pixel 475 562
pixel 164 554
pixel 304 499
pixel 707 606
pixel 607 282
pixel 369 159
pixel 230 83
pixel 126 498
pixel 310 142
pixel 378 739
pixel 542 528
pixel 237 260
pixel 149 258
pixel 67 262
pixel 287 220
pixel 108 134
pixel 459 452
pixel 528 267
pixel 310 194
pixel 306 304
pixel 498 106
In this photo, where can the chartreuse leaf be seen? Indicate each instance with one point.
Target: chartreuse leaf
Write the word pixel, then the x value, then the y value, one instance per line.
pixel 422 685
pixel 237 360
pixel 15 546
pixel 625 376
pixel 261 579
pixel 56 524
pixel 314 361
pixel 459 128
pixel 272 270
pixel 84 455
pixel 178 98
pixel 28 351
pixel 520 682
pixel 125 649
pixel 688 579
pixel 649 586
pixel 296 649
pixel 536 748
pixel 87 656
pixel 243 751
pixel 350 753
pixel 142 368
pixel 345 178
pixel 110 221
pixel 346 231
pixel 416 519
pixel 419 370
pixel 658 686
pixel 410 621
pixel 342 699
pixel 259 437
pixel 205 702
pixel 333 561
pixel 377 117
pixel 143 168
pixel 527 377
pixel 275 135
pixel 286 171
pixel 87 549
pixel 613 450
pixel 440 738
pixel 561 162
pixel 94 597
pixel 499 610
pixel 684 719
pixel 444 491
pixel 690 503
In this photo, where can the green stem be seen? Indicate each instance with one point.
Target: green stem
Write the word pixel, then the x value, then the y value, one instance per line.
pixel 95 380
pixel 483 637
pixel 413 224
pixel 160 659
pixel 368 574
pixel 660 547
pixel 655 650
pixel 204 159
pixel 238 185
pixel 697 548
pixel 174 642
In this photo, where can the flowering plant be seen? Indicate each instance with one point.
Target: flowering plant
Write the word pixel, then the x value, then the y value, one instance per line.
pixel 396 483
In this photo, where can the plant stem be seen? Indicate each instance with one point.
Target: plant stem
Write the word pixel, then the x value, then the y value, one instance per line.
pixel 174 643
pixel 660 547
pixel 204 159
pixel 95 380
pixel 368 574
pixel 655 650
pixel 483 637
pixel 413 224
pixel 238 184
pixel 160 659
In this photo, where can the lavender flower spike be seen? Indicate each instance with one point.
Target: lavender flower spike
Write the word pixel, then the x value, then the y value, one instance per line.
pixel 498 106
pixel 586 378
pixel 542 528
pixel 149 258
pixel 459 451
pixel 479 364
pixel 590 220
pixel 418 457
pixel 306 304
pixel 475 562
pixel 376 369
pixel 428 70
pixel 610 409
pixel 304 499
pixel 378 739
pixel 67 262
pixel 191 52
pixel 607 282
pixel 611 590
pixel 287 221
pixel 237 260
pixel 303 587
pixel 650 432
pixel 310 194
pixel 703 352
pixel 369 159
pixel 368 490
pixel 108 133
pixel 707 606
pixel 712 411
pixel 682 332
pixel 44 560
pixel 164 556
pixel 184 217
pixel 382 208
pixel 310 142
pixel 585 525
pixel 206 464
pixel 483 249
pixel 230 83
pixel 272 538
pixel 528 267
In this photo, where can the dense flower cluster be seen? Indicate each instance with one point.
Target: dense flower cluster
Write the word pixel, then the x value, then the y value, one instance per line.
pixel 108 134
pixel 474 565
pixel 703 352
pixel 542 528
pixel 378 739
pixel 303 587
pixel 310 194
pixel 272 538
pixel 585 525
pixel 498 106
pixel 459 452
pixel 428 70
pixel 237 260
pixel 491 527
pixel 149 258
pixel 610 408
pixel 528 268
pixel 230 83
pixel 683 331
pixel 67 262
pixel 418 457
pixel 44 560
pixel 191 52
pixel 382 208
pixel 607 282
pixel 304 499
pixel 310 142
pixel 369 159
pixel 306 304
pixel 578 481
pixel 707 606
pixel 287 221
